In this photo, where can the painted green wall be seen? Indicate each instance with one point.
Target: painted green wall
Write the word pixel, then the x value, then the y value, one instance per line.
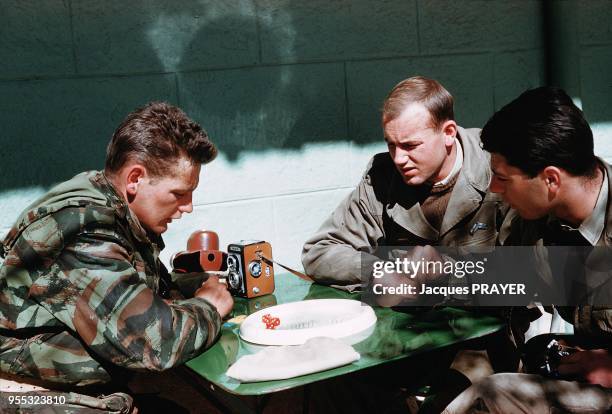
pixel 289 90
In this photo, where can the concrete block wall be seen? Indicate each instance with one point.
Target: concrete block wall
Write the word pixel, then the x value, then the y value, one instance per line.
pixel 595 66
pixel 290 91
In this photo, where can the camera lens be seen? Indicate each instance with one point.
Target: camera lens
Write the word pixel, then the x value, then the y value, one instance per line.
pixel 232 263
pixel 255 268
pixel 234 280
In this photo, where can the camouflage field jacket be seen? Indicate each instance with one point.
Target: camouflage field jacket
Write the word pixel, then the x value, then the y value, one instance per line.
pixel 82 292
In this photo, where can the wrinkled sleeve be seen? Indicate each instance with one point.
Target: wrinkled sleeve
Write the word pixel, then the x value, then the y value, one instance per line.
pixel 93 289
pixel 338 251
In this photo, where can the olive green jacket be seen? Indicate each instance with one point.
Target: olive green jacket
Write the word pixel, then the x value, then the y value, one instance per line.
pixel 384 211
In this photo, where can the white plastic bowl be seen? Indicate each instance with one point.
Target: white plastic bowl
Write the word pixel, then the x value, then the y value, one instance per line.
pixel 300 321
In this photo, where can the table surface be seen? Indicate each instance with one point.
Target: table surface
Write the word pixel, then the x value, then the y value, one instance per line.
pixel 397 335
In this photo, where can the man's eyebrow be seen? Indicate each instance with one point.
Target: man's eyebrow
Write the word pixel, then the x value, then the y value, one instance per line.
pixel 407 141
pixel 185 189
pixel 411 141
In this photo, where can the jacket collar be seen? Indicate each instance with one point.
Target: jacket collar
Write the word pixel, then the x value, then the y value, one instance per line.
pixel 476 161
pixel 412 219
pixel 473 180
pixel 593 228
pixel 117 202
pixel 608 229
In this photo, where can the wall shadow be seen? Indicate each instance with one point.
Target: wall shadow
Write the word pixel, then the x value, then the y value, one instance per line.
pixel 258 75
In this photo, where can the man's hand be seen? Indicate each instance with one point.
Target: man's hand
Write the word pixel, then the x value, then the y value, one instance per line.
pixel 593 366
pixel 427 255
pixel 394 281
pixel 217 294
pixel 421 255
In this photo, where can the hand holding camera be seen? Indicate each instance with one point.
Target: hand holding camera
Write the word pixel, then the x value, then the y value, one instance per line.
pixel 403 285
pixel 217 294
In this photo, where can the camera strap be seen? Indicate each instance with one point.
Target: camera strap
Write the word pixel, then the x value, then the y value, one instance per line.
pixel 295 272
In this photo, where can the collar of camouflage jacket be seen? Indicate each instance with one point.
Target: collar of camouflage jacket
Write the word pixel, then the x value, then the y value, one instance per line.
pixel 118 203
pixel 87 188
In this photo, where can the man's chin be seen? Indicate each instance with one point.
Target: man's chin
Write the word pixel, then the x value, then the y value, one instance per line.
pixel 159 229
pixel 414 180
pixel 529 214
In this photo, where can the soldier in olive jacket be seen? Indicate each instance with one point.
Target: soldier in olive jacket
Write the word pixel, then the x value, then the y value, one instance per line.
pixel 431 188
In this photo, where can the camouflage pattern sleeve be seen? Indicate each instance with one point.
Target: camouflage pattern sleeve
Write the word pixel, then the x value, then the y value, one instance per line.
pixel 188 283
pixel 96 286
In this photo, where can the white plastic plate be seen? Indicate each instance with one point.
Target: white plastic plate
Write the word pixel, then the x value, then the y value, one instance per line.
pixel 300 321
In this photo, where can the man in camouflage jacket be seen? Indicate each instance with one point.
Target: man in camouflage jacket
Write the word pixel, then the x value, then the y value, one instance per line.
pixel 83 294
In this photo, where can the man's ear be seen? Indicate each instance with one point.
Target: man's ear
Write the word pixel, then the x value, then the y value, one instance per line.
pixel 449 128
pixel 134 177
pixel 552 178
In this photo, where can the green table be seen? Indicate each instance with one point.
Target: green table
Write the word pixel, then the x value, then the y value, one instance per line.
pixel 397 335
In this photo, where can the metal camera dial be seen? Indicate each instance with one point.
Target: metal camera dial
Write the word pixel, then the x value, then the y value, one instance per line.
pixel 255 268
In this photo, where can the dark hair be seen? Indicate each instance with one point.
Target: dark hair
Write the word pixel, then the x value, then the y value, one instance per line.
pixel 158 135
pixel 542 127
pixel 436 99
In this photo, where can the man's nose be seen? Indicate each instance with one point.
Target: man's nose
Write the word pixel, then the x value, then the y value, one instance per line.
pixel 400 157
pixel 496 186
pixel 187 207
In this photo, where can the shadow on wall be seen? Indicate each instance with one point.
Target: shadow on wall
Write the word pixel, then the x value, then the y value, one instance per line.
pixel 59 119
pixel 320 77
pixel 261 105
pixel 59 125
pixel 264 75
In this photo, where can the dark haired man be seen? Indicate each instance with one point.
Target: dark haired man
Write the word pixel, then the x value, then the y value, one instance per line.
pixel 84 298
pixel 544 166
pixel 430 188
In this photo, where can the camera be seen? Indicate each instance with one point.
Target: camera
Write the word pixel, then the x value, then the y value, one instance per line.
pixel 543 354
pixel 202 254
pixel 552 357
pixel 250 268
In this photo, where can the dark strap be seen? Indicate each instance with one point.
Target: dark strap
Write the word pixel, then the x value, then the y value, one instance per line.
pixel 295 272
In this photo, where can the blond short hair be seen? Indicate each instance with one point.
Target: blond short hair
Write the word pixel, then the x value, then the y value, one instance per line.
pixel 418 89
